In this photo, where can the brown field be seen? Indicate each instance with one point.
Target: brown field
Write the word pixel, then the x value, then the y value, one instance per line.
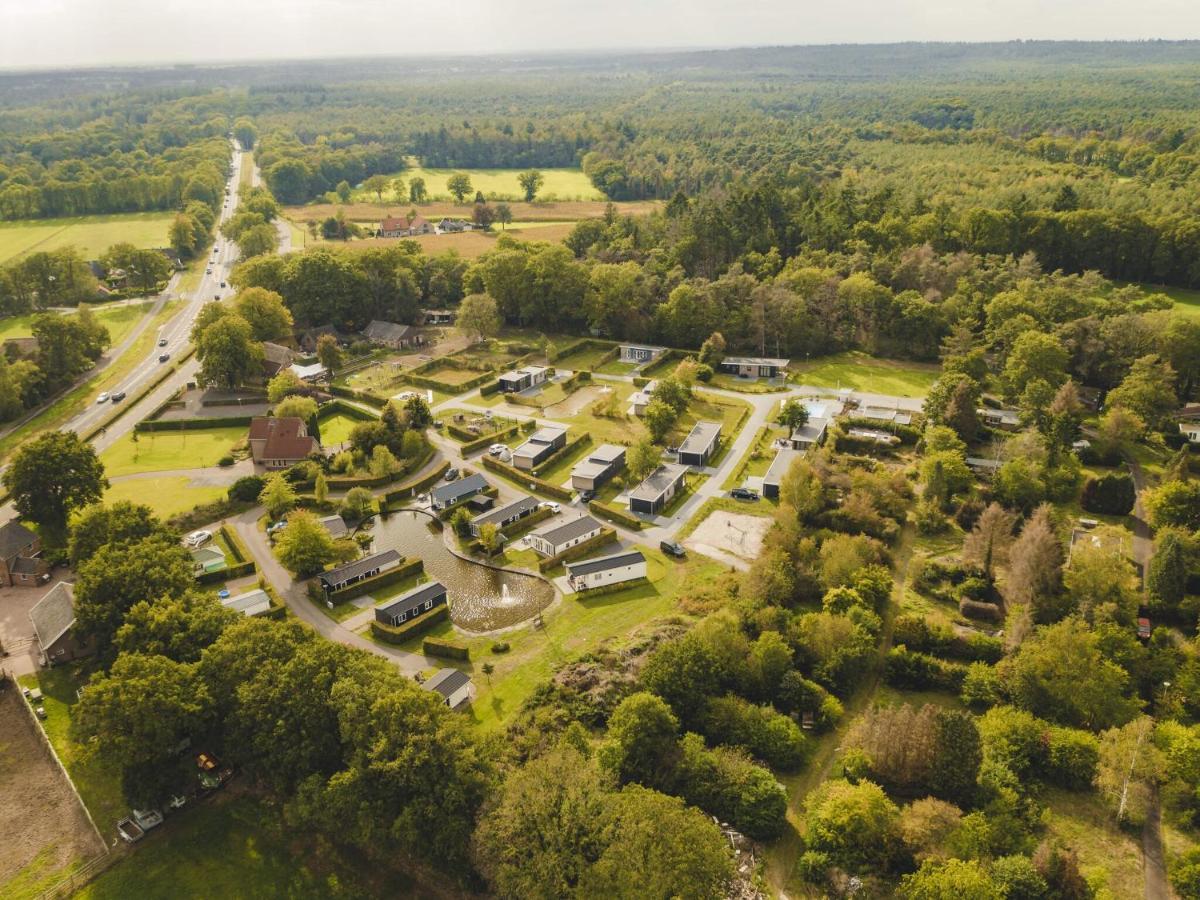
pixel 469 245
pixel 567 211
pixel 44 827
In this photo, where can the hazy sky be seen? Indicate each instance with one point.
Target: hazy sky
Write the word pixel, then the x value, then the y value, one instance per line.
pixel 85 32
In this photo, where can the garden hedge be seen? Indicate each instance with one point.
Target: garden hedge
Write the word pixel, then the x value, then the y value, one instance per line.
pixel 612 588
pixel 362 396
pixel 445 649
pixel 566 450
pixel 398 634
pixel 487 440
pixel 191 424
pixel 407 568
pixel 527 479
pixel 613 514
pixel 919 671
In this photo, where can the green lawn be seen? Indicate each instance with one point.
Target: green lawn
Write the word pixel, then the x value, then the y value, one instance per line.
pixel 860 372
pixel 757 458
pixel 336 427
pixel 1108 856
pixel 1186 301
pixel 585 358
pixel 497 184
pixel 163 451
pixel 91 235
pixel 118 319
pixel 167 495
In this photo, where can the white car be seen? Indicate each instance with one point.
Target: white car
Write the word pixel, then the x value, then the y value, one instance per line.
pixel 550 505
pixel 497 449
pixel 103 398
pixel 197 538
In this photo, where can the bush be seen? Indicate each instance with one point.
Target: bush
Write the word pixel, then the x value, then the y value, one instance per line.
pixel 981 686
pixel 1073 757
pixel 919 671
pixel 500 647
pixel 1112 494
pixel 725 784
pixel 975 609
pixel 247 488
pixel 525 479
pixel 445 649
pixel 767 735
pixel 225 461
pixel 614 514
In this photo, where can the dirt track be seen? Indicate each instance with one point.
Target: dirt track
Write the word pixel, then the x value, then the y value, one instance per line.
pixel 40 818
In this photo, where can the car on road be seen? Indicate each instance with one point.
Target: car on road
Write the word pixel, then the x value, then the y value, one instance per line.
pixel 208 271
pixel 162 342
pixel 741 493
pixel 451 474
pixel 163 357
pixel 497 449
pixel 222 284
pixel 197 538
pixel 587 496
pixel 671 548
pixel 103 398
pixel 550 505
pixel 118 396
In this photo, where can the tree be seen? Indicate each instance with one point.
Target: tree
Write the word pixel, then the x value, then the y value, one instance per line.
pixel 178 628
pixel 531 182
pixel 52 475
pixel 278 495
pixel 641 459
pixel 490 538
pixel 377 184
pixel 321 488
pixel 418 412
pixel 329 354
pixel 659 419
pixel 987 544
pixel 793 415
pixel 953 879
pixel 416 190
pixel 1175 504
pixel 228 354
pixel 459 185
pixel 245 132
pixel 1112 493
pixel 1102 585
pixel 1148 391
pixel 961 410
pixel 1130 770
pixel 306 547
pixel 264 310
pixel 1118 430
pixel 712 350
pixel 258 240
pixel 478 317
pixel 358 504
pixel 304 408
pixel 1167 576
pixel 856 825
pixel 504 214
pixel 1035 571
pixel 120 523
pixel 1035 355
pixel 640 742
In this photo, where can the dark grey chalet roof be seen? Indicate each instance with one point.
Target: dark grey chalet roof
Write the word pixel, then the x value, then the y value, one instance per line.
pixel 518 507
pixel 447 681
pixel 410 600
pixel 604 563
pixel 382 331
pixel 354 570
pixel 568 531
pixel 448 493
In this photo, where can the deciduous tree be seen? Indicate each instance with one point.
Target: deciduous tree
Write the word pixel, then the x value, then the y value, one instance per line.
pixel 52 475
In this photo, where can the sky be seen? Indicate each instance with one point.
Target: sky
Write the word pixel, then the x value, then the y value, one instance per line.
pixel 66 33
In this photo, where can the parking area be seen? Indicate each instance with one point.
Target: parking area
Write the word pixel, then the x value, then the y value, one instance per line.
pixel 16 629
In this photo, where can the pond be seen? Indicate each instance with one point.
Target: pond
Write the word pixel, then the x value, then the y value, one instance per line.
pixel 481 599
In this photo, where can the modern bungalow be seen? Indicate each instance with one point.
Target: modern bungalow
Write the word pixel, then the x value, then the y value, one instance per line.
pixel 455 492
pixel 390 334
pixel 753 366
pixel 779 467
pixel 453 685
pixel 207 560
pixel 359 570
pixel 1191 431
pixel 540 446
pixel 601 464
pixel 810 434
pixel 641 399
pixel 518 380
pixel 505 515
pixel 885 414
pixel 656 491
pixel 556 538
pixel 251 603
pixel 640 353
pixel 21 563
pixel 53 619
pixel 280 442
pixel 615 569
pixel 411 604
pixel 1004 419
pixel 700 444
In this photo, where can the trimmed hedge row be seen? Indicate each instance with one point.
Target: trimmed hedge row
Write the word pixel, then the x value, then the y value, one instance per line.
pixel 613 514
pixel 398 634
pixel 234 542
pixel 347 409
pixel 613 588
pixel 409 567
pixel 445 649
pixel 362 396
pixel 488 389
pixel 487 440
pixel 411 488
pixel 191 424
pixel 238 570
pixel 605 537
pixel 538 515
pixel 917 633
pixel 567 449
pixel 525 478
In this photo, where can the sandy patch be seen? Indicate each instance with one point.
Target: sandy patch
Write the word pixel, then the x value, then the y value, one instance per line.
pixel 577 402
pixel 730 536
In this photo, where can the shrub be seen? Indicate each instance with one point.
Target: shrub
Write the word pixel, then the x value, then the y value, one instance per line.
pixel 976 609
pixel 1110 494
pixel 920 671
pixel 225 461
pixel 247 488
pixel 445 649
pixel 981 686
pixel 1073 757
pixel 855 824
pixel 767 735
pixel 726 784
pixel 398 634
pixel 500 647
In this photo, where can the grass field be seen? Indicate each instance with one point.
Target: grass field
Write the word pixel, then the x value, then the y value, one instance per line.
pixel 336 428
pixel 1186 301
pixel 367 210
pixel 496 184
pixel 91 235
pixel 471 244
pixel 119 320
pixel 163 451
pixel 167 495
pixel 860 372
pixel 246 173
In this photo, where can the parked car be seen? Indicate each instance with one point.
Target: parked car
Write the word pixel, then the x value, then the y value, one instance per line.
pixel 452 474
pixel 163 357
pixel 103 398
pixel 497 449
pixel 197 539
pixel 671 548
pixel 550 505
pixel 118 396
pixel 743 494
pixel 587 496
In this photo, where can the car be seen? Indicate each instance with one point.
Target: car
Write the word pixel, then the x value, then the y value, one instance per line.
pixel 216 296
pixel 1143 628
pixel 163 357
pixel 550 505
pixel 451 474
pixel 118 396
pixel 741 493
pixel 497 449
pixel 587 496
pixel 208 271
pixel 103 398
pixel 671 548
pixel 162 342
pixel 197 538
pixel 277 526
pixel 222 284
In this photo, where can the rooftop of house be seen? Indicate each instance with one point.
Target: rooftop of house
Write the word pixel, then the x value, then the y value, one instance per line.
pixel 780 464
pixel 250 602
pixel 754 361
pixel 500 513
pixel 604 563
pixel 810 432
pixel 447 681
pixel 702 436
pixel 54 614
pixel 14 537
pixel 413 598
pixel 381 331
pixel 356 569
pixel 658 482
pixel 285 437
pixel 558 533
pixel 472 484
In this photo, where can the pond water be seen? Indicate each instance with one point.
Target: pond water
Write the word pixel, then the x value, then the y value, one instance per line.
pixel 481 599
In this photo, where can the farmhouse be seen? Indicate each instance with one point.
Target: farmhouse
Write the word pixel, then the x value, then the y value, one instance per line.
pixel 522 379
pixel 280 442
pixel 656 491
pixel 453 685
pixel 437 316
pixel 206 560
pixel 251 603
pixel 53 619
pixel 411 604
pixel 779 467
pixel 275 358
pixel 454 493
pixel 390 334
pixel 505 515
pixel 1004 419
pixel 601 464
pixel 21 563
pixel 541 444
pixel 360 569
pixel 753 366
pixel 556 538
pixel 640 353
pixel 615 569
pixel 700 444
pixel 640 400
pixel 393 227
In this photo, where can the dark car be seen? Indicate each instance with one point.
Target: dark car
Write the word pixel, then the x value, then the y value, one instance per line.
pixel 587 496
pixel 1143 629
pixel 743 494
pixel 163 357
pixel 672 549
pixel 451 474
pixel 222 284
pixel 118 396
